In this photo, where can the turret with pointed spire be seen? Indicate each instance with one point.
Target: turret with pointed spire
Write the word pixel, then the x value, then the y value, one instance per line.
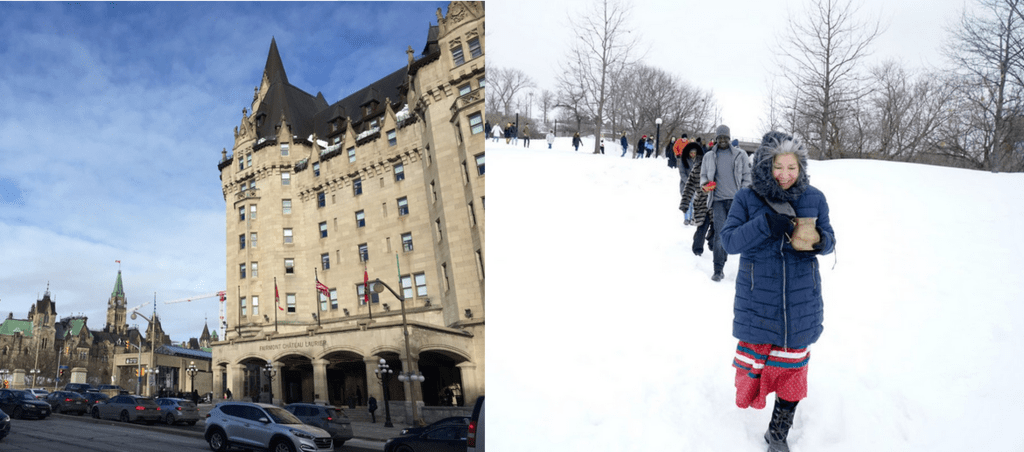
pixel 117 322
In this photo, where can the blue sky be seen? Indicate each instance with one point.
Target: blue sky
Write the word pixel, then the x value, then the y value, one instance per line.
pixel 112 123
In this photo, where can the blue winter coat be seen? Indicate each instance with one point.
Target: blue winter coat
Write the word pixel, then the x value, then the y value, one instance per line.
pixel 778 289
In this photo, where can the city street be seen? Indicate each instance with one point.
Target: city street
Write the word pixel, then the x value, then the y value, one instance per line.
pixel 82 433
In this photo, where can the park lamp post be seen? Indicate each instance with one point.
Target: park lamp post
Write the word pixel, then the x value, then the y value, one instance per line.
pixel 192 370
pixel 657 139
pixel 383 373
pixel 269 371
pixel 406 376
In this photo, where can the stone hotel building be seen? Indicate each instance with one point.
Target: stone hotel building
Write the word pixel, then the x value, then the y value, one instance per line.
pixel 386 183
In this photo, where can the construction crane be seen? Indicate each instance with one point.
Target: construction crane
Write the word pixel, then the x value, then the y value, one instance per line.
pixel 221 326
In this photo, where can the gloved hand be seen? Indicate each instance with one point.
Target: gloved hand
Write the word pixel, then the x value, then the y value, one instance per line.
pixel 778 223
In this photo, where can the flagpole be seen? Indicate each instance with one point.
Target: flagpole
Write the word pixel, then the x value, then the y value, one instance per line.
pixel 277 304
pixel 369 302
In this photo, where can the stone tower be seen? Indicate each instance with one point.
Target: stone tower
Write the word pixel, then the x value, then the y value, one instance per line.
pixel 116 307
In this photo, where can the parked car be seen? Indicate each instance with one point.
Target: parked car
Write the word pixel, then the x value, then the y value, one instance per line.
pixel 95 397
pixel 329 418
pixel 128 408
pixel 5 425
pixel 67 402
pixel 475 440
pixel 442 438
pixel 39 393
pixel 22 404
pixel 262 426
pixel 80 388
pixel 447 420
pixel 112 390
pixel 178 410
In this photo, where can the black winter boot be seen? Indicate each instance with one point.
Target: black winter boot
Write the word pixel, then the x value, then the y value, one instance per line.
pixel 778 428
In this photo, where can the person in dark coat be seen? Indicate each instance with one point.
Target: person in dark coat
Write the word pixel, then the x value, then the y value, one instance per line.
pixel 692 153
pixel 576 141
pixel 624 143
pixel 695 199
pixel 669 153
pixel 641 146
pixel 778 225
pixel 372 405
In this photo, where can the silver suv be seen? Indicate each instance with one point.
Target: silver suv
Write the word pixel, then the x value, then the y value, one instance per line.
pixel 262 426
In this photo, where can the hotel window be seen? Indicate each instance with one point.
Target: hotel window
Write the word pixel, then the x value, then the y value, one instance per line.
pixel 457 56
pixel 406 287
pixel 472 215
pixel 325 261
pixel 241 242
pixel 284 149
pixel 421 284
pixel 364 253
pixel 361 294
pixel 321 199
pixel 480 164
pixel 336 140
pixel 482 82
pixel 289 266
pixel 248 161
pixel 323 229
pixel 403 206
pixel 323 300
pixel 252 240
pixel 241 271
pixel 316 169
pixel 286 206
pixel 286 179
pixel 357 187
pixel 360 219
pixel 474 47
pixel 392 138
pixel 476 123
pixel 351 154
pixel 407 241
pixel 291 302
pixel 241 302
pixel 287 235
pixel 255 305
pixel 252 212
pixel 399 172
pixel 253 269
pixel 241 213
pixel 464 89
pixel 334 298
pixel 241 164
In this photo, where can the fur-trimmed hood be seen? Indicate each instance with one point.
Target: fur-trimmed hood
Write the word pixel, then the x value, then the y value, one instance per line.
pixel 761 171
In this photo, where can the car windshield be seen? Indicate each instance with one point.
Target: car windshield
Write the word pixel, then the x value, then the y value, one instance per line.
pixel 24 395
pixel 281 416
pixel 73 396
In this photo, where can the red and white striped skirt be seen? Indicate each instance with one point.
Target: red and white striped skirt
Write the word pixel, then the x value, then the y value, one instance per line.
pixel 765 368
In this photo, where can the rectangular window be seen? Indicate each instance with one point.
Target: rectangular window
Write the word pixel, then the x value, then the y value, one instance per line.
pixel 241 271
pixel 323 300
pixel 284 149
pixel 287 235
pixel 316 169
pixel 406 287
pixel 325 261
pixel 480 165
pixel 252 239
pixel 399 172
pixel 392 138
pixel 241 302
pixel 421 284
pixel 323 229
pixel 482 82
pixel 357 187
pixel 253 268
pixel 334 298
pixel 241 242
pixel 472 215
pixel 286 179
pixel 352 154
pixel 476 123
pixel 289 266
pixel 364 253
pixel 457 56
pixel 321 199
pixel 248 161
pixel 464 89
pixel 286 206
pixel 360 219
pixel 407 241
pixel 252 212
pixel 255 305
pixel 336 139
pixel 291 302
pixel 403 206
pixel 241 164
pixel 474 48
pixel 241 213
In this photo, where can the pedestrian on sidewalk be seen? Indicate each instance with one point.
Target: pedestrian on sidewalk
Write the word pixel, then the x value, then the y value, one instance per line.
pixel 373 409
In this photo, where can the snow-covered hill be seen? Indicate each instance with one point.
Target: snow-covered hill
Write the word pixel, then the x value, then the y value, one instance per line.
pixel 607 334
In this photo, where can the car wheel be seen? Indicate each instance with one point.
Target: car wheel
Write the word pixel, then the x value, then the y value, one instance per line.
pixel 18 413
pixel 124 417
pixel 218 442
pixel 95 413
pixel 169 419
pixel 283 446
pixel 404 448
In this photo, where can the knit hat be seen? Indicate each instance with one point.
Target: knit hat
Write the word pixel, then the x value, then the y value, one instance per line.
pixel 722 130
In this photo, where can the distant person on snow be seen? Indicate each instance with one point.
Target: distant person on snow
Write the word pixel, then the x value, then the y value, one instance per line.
pixel 624 143
pixel 515 134
pixel 649 146
pixel 778 225
pixel 496 132
pixel 526 135
pixel 576 141
pixel 508 133
pixel 551 138
pixel 638 153
pixel 669 154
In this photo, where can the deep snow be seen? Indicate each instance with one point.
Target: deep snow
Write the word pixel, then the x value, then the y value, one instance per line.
pixel 607 333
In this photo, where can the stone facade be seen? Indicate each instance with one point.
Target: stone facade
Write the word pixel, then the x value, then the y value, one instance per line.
pixel 388 184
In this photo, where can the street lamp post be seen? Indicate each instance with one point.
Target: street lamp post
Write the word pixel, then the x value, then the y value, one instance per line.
pixel 192 370
pixel 657 139
pixel 155 372
pixel 269 371
pixel 379 286
pixel 383 373
pixel 35 374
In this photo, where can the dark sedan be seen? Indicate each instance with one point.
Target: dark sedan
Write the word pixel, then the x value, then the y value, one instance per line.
pixel 447 420
pixel 5 425
pixel 22 404
pixel 67 402
pixel 95 397
pixel 442 438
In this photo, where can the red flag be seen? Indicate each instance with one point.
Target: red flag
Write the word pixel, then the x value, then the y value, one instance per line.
pixel 323 289
pixel 277 298
pixel 366 287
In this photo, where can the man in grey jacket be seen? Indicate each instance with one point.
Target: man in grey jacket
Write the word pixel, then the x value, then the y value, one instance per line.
pixel 724 171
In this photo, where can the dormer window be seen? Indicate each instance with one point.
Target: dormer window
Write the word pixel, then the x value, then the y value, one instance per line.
pixel 284 149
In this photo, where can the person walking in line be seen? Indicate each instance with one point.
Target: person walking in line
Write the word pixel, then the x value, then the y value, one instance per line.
pixel 496 132
pixel 669 154
pixel 372 406
pixel 641 145
pixel 696 199
pixel 778 225
pixel 551 138
pixel 724 172
pixel 508 133
pixel 515 134
pixel 602 146
pixel 690 157
pixel 576 141
pixel 624 143
pixel 526 135
pixel 649 147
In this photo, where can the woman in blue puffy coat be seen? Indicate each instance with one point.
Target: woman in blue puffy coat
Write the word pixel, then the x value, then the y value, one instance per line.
pixel 778 225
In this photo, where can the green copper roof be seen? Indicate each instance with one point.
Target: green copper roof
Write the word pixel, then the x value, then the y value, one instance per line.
pixel 11 326
pixel 118 288
pixel 76 327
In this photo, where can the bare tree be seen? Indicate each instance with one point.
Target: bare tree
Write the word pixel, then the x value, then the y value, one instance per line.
pixel 503 86
pixel 825 48
pixel 548 101
pixel 602 45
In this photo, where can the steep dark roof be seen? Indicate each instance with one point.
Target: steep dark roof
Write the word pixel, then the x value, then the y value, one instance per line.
pixel 296 106
pixel 431 46
pixel 388 87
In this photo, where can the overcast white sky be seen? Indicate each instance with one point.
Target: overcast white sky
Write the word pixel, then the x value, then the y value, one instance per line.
pixel 725 46
pixel 112 123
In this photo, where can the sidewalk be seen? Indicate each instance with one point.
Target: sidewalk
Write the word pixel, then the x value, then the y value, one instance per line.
pixel 376 432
